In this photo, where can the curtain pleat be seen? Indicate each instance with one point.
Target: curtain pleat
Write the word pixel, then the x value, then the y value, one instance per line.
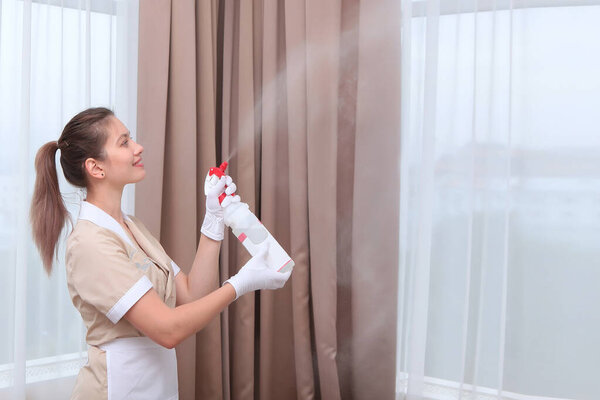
pixel 376 202
pixel 153 81
pixel 276 352
pixel 181 164
pixel 240 151
pixel 224 139
pixel 306 368
pixel 208 356
pixel 21 256
pixel 323 21
pixel 420 302
pixel 347 113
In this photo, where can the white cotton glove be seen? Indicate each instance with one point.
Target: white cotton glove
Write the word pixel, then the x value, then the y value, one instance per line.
pixel 230 192
pixel 256 275
pixel 213 225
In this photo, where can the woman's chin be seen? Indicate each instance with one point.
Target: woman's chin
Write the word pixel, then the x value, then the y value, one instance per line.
pixel 140 175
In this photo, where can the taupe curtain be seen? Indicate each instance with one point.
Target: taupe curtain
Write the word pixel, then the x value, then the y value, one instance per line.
pixel 302 98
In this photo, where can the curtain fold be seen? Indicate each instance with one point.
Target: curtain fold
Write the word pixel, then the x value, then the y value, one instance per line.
pixel 208 341
pixel 276 355
pixel 289 91
pixel 295 82
pixel 240 151
pixel 376 201
pixel 322 69
pixel 153 81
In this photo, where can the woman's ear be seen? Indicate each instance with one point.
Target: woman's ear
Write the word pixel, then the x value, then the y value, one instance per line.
pixel 94 168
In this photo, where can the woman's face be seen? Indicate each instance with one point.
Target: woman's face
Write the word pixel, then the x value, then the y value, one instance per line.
pixel 123 163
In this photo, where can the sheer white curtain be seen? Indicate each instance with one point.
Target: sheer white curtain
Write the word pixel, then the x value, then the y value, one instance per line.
pixel 57 57
pixel 500 200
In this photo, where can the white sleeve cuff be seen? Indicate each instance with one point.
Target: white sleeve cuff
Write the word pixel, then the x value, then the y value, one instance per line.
pixel 129 299
pixel 175 267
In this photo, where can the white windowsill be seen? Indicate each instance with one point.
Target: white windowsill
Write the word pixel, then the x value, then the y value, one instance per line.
pixel 97 6
pixel 419 7
pixel 45 369
pixel 441 389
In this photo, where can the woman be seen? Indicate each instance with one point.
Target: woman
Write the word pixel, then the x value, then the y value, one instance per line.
pixel 136 303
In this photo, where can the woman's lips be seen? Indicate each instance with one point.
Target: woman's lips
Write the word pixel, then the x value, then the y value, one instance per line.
pixel 138 163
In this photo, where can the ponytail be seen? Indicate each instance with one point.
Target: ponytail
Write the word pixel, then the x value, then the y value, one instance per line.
pixel 48 213
pixel 83 137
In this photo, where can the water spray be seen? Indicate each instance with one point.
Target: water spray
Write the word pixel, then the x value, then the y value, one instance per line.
pixel 249 230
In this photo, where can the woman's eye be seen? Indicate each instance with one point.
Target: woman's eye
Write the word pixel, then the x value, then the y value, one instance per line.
pixel 125 142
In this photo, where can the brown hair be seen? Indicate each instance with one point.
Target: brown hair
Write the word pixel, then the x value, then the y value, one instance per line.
pixel 83 137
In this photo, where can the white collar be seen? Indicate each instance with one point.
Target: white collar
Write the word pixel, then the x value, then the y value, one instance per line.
pixel 92 213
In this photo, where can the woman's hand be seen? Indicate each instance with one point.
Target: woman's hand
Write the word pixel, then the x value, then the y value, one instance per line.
pixel 256 275
pixel 213 225
pixel 230 189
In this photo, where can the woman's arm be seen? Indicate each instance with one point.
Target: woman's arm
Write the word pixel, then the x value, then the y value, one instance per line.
pixel 169 326
pixel 204 275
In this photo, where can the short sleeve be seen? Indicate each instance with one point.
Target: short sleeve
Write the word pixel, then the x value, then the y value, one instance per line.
pixel 101 273
pixel 175 267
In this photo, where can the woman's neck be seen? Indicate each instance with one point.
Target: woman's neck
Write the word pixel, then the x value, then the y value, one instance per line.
pixel 107 200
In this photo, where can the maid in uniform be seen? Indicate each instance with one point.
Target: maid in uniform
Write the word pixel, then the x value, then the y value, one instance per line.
pixel 136 303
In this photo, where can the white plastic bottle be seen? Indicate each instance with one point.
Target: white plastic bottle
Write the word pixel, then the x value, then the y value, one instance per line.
pixel 251 232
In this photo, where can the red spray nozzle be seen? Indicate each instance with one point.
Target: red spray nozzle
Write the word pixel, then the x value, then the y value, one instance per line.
pixel 218 171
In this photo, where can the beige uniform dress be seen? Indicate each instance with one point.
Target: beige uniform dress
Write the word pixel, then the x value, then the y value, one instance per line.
pixel 107 273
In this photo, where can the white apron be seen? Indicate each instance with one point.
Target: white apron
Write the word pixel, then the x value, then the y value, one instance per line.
pixel 139 369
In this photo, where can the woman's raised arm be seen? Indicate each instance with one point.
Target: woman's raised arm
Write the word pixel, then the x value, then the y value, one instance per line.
pixel 204 275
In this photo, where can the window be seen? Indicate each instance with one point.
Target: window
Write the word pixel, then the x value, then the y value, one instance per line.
pixel 502 192
pixel 56 59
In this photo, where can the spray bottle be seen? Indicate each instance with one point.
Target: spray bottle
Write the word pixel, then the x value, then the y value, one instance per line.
pixel 249 230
